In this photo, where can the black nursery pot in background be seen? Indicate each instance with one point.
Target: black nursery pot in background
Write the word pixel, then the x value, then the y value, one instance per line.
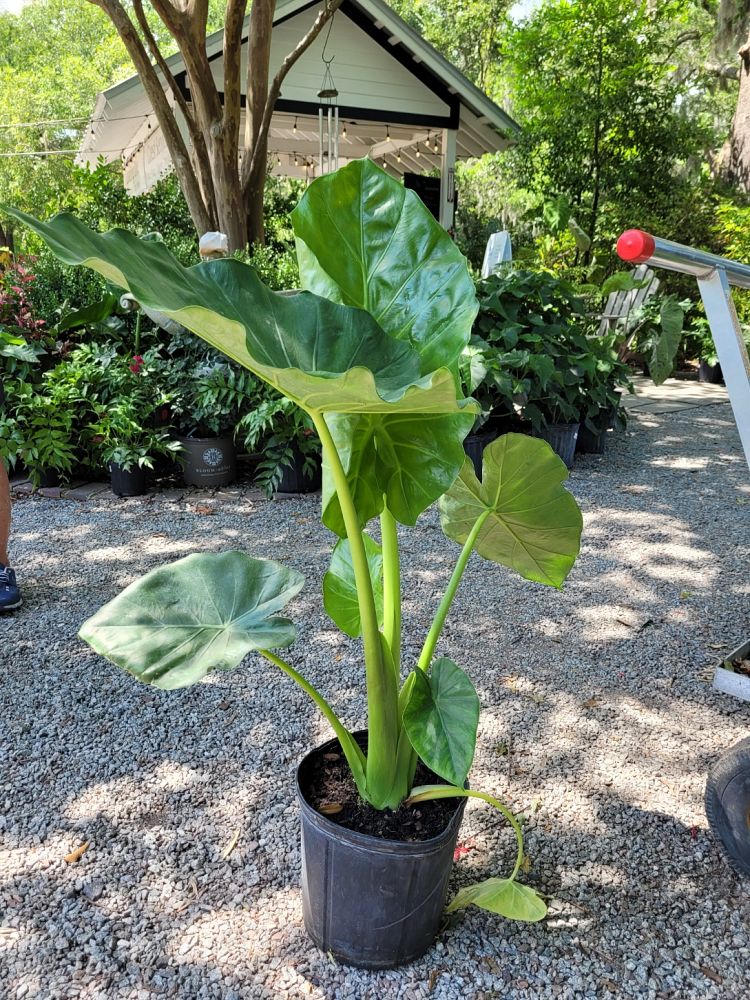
pixel 128 483
pixel 594 443
pixel 370 902
pixel 710 373
pixel 474 446
pixel 293 478
pixel 208 461
pixel 562 438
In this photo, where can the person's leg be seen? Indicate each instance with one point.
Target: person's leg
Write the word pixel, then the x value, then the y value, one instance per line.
pixel 10 596
pixel 4 514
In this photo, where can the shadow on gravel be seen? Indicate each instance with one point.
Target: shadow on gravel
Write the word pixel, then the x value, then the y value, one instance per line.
pixel 598 726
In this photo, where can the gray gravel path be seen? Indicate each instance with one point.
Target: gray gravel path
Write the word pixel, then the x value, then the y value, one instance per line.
pixel 600 691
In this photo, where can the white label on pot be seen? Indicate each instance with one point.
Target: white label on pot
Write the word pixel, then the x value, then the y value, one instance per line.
pixel 213 456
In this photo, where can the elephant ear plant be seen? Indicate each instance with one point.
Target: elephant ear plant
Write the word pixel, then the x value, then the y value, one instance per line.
pixel 370 352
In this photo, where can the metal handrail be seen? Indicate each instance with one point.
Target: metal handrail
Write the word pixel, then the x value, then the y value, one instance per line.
pixel 638 247
pixel 715 275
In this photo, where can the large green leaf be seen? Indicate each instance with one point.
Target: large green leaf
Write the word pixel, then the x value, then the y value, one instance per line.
pixel 666 341
pixel 365 240
pixel 504 896
pixel 325 356
pixel 533 525
pixel 441 719
pixel 204 612
pixel 408 459
pixel 340 587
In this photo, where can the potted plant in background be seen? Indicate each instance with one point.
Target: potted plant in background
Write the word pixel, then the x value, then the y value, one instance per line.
pixel 39 432
pixel 600 391
pixel 127 445
pixel 290 459
pixel 530 337
pixel 382 397
pixel 207 398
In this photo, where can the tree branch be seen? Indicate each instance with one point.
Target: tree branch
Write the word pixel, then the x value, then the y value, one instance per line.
pixel 234 21
pixel 251 164
pixel 202 163
pixel 165 116
pixel 723 72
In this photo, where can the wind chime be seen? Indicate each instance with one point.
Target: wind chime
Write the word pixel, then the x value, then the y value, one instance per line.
pixel 328 116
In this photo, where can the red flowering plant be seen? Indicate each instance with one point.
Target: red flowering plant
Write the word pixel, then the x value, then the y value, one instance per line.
pixel 16 313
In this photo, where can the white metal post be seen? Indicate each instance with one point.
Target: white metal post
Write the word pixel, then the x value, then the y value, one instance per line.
pixel 448 179
pixel 730 348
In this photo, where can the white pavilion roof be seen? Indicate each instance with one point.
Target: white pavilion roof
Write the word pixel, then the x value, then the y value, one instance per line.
pixel 396 96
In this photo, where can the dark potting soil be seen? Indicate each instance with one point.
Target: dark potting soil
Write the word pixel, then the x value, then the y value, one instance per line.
pixel 330 785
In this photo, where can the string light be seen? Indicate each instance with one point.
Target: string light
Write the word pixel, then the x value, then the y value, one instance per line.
pixel 296 161
pixel 278 160
pixel 388 133
pixel 418 152
pixel 434 145
pixel 294 130
pixel 398 156
pixel 384 163
pixel 344 132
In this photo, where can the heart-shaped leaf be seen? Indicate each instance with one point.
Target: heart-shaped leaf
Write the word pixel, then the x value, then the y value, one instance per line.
pixel 380 249
pixel 340 587
pixel 408 459
pixel 441 719
pixel 666 341
pixel 204 612
pixel 533 524
pixel 505 896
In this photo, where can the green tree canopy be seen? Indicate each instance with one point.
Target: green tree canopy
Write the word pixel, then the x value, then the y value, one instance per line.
pixel 601 109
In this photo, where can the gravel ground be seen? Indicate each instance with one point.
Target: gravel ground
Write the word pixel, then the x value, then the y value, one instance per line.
pixel 601 692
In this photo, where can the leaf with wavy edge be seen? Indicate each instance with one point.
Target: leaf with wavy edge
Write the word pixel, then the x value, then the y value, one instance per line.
pixel 505 896
pixel 365 240
pixel 410 459
pixel 534 524
pixel 203 612
pixel 325 356
pixel 441 718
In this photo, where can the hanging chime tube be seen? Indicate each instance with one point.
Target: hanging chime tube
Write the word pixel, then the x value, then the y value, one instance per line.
pixel 336 138
pixel 320 140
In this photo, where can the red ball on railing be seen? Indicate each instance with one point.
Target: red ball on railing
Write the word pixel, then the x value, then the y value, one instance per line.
pixel 635 246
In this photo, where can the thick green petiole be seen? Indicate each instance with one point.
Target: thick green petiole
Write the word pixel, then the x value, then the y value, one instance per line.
pixel 353 753
pixel 425 792
pixel 382 684
pixel 391 587
pixel 444 607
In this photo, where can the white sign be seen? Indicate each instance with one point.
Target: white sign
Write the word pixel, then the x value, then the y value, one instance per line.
pixel 498 252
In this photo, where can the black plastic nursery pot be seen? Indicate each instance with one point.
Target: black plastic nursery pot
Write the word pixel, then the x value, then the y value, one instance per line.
pixel 590 443
pixel 128 482
pixel 370 902
pixel 710 373
pixel 293 478
pixel 562 438
pixel 208 461
pixel 474 446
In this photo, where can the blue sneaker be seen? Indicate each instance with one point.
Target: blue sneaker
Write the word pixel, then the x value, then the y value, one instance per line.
pixel 10 595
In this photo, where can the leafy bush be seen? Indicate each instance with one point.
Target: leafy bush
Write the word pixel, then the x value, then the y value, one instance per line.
pixel 532 358
pixel 277 427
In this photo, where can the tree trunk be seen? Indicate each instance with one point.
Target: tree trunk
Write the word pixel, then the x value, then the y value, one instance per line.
pixel 6 236
pixel 254 192
pixel 734 160
pixel 217 191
